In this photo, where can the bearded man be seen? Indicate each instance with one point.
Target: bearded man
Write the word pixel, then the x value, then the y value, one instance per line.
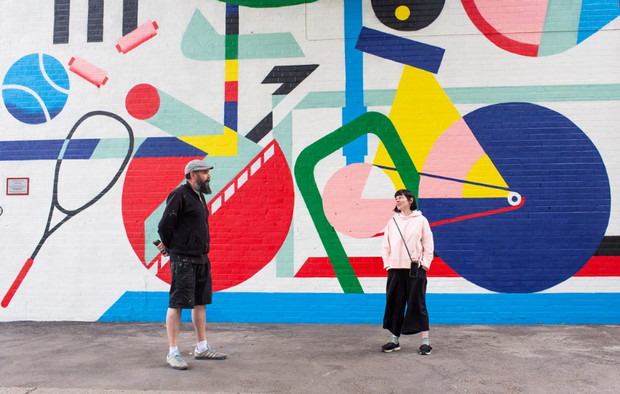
pixel 184 232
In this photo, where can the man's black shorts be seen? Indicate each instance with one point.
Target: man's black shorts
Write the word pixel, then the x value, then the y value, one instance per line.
pixel 191 283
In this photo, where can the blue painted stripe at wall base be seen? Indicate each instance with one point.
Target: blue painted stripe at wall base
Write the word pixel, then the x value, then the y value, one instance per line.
pixel 328 308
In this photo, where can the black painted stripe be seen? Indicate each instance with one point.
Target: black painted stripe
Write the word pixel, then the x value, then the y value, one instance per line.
pixel 94 32
pixel 261 129
pixel 610 246
pixel 130 16
pixel 61 21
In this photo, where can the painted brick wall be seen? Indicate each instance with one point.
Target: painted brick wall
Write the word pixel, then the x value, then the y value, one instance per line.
pixel 502 117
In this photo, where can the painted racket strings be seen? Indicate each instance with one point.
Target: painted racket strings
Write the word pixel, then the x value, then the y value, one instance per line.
pixel 55 204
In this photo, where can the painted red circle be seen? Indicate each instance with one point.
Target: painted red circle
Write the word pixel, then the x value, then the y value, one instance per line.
pixel 142 101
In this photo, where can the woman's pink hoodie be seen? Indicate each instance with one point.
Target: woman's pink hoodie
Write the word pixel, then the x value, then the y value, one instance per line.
pixel 419 238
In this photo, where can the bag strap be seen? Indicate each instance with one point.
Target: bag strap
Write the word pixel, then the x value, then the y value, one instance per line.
pixel 401 235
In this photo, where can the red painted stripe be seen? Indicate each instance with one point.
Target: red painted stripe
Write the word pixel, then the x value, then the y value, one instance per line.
pixel 472 216
pixel 231 91
pixel 364 267
pixel 601 266
pixel 479 214
pixel 372 267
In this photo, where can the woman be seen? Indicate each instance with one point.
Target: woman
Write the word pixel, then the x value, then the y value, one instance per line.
pixel 407 263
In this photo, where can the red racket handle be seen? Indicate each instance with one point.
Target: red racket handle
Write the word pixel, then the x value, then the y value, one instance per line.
pixel 16 283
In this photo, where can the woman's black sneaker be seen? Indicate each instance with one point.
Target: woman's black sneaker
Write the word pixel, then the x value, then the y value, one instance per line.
pixel 425 349
pixel 390 347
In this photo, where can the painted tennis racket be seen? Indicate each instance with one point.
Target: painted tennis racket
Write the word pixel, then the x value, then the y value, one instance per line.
pixel 69 213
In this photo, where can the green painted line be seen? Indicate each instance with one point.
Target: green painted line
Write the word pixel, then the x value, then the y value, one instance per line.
pixel 232 47
pixel 368 123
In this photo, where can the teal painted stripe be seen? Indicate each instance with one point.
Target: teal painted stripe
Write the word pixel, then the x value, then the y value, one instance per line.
pixel 283 133
pixel 339 308
pixel 268 46
pixel 557 93
pixel 198 32
pixel 180 120
pixel 202 42
pixel 65 144
pixel 379 98
pixel 111 148
pixel 323 100
pixel 478 95
pixel 561 27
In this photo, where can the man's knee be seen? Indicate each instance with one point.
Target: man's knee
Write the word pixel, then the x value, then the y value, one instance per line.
pixel 174 313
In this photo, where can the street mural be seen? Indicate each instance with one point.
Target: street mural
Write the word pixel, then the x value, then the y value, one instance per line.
pixel 498 115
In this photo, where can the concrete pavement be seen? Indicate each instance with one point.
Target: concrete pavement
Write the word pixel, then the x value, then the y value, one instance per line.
pixel 73 357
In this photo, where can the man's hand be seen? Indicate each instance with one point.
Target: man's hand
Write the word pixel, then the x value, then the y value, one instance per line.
pixel 162 248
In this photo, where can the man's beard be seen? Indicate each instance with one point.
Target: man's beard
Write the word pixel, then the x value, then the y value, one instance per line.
pixel 202 187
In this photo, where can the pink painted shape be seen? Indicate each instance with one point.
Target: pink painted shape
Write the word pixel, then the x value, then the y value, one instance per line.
pixel 345 208
pixel 520 20
pixel 453 155
pixel 88 71
pixel 141 34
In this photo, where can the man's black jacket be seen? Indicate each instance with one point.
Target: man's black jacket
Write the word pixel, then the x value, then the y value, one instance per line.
pixel 184 226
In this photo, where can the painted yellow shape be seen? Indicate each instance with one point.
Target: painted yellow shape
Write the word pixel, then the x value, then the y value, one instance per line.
pixel 215 145
pixel 402 12
pixel 484 171
pixel 231 70
pixel 421 112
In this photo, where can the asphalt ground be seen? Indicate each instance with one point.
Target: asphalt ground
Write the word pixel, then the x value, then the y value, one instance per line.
pixel 78 357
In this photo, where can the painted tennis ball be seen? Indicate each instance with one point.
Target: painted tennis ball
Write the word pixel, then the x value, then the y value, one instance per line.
pixel 35 88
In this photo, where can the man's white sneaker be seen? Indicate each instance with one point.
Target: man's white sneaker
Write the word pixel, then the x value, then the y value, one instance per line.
pixel 209 354
pixel 176 361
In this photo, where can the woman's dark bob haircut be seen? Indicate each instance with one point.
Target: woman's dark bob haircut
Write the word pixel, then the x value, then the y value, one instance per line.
pixel 409 196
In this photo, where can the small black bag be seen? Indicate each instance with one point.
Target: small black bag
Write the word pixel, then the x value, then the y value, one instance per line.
pixel 413 271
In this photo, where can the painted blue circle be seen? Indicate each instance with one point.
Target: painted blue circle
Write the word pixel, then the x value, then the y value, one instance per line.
pixel 35 88
pixel 561 176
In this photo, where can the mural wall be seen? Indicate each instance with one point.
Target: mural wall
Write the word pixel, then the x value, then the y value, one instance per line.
pixel 501 116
